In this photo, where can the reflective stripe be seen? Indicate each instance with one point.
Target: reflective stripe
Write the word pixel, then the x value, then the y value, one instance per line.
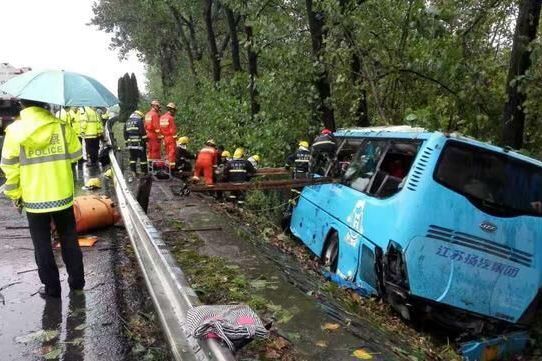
pixel 50 158
pixel 132 128
pixel 302 161
pixel 238 171
pixel 39 160
pixel 47 205
pixel 10 187
pixel 76 155
pixel 324 142
pixel 9 161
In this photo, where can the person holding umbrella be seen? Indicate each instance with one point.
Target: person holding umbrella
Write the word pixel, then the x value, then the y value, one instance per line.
pixel 37 158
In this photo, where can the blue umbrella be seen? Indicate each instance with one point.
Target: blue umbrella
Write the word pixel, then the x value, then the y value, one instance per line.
pixel 59 87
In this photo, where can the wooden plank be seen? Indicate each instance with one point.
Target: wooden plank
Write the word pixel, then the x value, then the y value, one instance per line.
pixel 261 185
pixel 272 171
pixel 259 172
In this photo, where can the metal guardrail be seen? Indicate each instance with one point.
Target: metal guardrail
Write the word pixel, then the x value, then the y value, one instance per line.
pixel 171 294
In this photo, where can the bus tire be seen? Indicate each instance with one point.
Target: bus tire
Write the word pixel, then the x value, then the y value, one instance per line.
pixel 330 255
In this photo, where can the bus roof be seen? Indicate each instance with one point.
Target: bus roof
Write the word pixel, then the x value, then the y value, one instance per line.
pixel 395 131
pixel 408 132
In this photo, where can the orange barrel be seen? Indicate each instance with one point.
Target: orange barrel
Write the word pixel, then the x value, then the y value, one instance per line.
pixel 93 212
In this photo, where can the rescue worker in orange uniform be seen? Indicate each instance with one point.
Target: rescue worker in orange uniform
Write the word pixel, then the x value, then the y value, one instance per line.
pixel 169 132
pixel 152 127
pixel 206 161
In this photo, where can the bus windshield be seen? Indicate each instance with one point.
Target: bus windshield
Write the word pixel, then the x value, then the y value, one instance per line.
pixel 496 183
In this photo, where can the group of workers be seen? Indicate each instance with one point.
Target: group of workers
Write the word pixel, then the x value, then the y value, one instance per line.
pixel 87 123
pixel 147 135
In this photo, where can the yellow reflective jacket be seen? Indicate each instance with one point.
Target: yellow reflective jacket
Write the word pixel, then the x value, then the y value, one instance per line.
pixel 36 158
pixel 70 118
pixel 74 120
pixel 91 123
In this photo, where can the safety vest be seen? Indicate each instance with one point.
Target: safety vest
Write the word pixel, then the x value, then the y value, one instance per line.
pixel 91 123
pixel 36 159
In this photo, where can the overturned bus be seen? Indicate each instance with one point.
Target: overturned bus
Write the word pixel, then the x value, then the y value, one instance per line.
pixel 438 225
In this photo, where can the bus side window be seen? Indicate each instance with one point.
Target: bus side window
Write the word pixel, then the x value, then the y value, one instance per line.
pixel 380 167
pixel 365 165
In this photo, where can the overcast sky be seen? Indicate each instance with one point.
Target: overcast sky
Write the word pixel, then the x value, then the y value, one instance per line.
pixel 52 34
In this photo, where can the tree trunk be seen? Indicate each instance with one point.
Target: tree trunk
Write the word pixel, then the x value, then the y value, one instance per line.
pixel 356 74
pixel 362 116
pixel 252 73
pixel 193 40
pixel 525 33
pixel 184 39
pixel 211 39
pixel 232 25
pixel 167 68
pixel 316 28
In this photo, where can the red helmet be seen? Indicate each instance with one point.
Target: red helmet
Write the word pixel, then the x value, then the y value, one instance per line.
pixel 326 131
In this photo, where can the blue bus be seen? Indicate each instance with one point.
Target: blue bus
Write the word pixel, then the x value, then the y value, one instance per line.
pixel 436 224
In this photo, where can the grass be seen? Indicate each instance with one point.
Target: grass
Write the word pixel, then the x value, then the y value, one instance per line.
pixel 217 281
pixel 425 346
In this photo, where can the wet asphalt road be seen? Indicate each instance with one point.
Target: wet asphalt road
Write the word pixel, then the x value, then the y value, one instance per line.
pixel 84 326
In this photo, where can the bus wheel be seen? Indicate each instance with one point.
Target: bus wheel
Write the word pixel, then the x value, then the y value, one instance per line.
pixel 331 252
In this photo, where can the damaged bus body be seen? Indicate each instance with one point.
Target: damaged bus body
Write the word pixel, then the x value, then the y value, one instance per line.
pixel 438 225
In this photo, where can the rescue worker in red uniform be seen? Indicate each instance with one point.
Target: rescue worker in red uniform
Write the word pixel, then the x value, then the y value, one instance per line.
pixel 152 127
pixel 169 132
pixel 206 161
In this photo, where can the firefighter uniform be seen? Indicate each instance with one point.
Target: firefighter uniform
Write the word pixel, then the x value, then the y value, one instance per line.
pixel 183 155
pixel 152 127
pixel 205 162
pixel 136 138
pixel 239 170
pixel 169 131
pixel 322 152
pixel 36 158
pixel 91 131
pixel 300 160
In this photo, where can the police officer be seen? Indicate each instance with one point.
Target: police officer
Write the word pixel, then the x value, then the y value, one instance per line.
pixel 36 159
pixel 322 151
pixel 300 160
pixel 136 141
pixel 92 131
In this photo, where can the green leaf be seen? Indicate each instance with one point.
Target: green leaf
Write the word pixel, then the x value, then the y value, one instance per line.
pixel 54 354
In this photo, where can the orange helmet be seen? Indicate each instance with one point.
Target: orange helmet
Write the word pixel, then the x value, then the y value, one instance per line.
pixel 171 106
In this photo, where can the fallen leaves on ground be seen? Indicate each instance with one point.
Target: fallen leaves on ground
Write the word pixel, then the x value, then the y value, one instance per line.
pixel 321 343
pixel 331 326
pixel 41 335
pixel 362 354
